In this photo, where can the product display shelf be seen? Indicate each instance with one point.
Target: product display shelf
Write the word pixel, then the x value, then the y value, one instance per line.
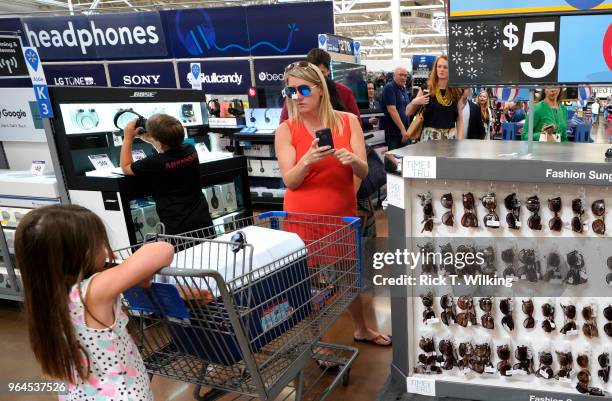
pixel 567 171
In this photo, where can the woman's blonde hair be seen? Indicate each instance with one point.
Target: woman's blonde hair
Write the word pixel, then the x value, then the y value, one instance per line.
pixel 311 73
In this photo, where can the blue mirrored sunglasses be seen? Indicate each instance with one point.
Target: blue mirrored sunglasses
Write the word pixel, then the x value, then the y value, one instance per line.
pixel 291 91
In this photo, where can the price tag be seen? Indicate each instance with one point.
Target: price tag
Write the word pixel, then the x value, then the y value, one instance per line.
pixel 493 224
pixel 572 332
pixel 566 380
pixel 101 162
pixel 138 154
pixel 423 386
pixel 419 167
pixel 433 320
pixel 517 224
pixel 395 191
pixel 489 369
pixel 117 140
pixel 544 374
pixel 529 49
pixel 38 167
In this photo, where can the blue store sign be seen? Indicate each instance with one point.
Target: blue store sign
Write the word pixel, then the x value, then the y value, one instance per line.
pixel 269 30
pixel 270 71
pixel 142 75
pixel 116 36
pixel 76 75
pixel 219 77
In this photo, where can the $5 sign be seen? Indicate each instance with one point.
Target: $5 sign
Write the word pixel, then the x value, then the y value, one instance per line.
pixel 530 46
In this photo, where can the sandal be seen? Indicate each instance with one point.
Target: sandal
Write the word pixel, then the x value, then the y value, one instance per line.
pixel 380 339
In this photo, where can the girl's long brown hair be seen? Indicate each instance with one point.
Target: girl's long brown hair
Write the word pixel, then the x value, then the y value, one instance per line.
pixel 57 247
pixel 434 85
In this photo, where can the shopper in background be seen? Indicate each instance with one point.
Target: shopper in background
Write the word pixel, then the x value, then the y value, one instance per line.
pixel 368 123
pixel 321 180
pixel 515 112
pixel 595 112
pixel 322 60
pixel 394 100
pixel 172 175
pixel 548 113
pixel 443 105
pixel 486 113
pixel 78 331
pixel 473 127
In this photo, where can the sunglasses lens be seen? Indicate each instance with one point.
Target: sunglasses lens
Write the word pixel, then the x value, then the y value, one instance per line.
pixel 599 227
pixel 304 90
pixel 598 208
pixel 555 224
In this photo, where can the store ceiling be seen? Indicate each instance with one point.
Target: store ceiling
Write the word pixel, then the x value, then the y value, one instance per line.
pixel 423 27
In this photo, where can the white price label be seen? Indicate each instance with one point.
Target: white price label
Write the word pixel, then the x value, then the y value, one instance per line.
pixel 420 385
pixel 493 224
pixel 572 332
pixel 38 167
pixel 101 162
pixel 489 369
pixel 544 374
pixel 419 167
pixel 395 191
pixel 517 224
pixel 433 320
pixel 138 154
pixel 117 140
pixel 566 380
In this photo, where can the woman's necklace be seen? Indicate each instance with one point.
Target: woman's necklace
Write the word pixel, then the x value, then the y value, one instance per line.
pixel 446 99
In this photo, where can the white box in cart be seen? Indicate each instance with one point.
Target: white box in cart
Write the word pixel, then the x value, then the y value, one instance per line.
pixel 228 196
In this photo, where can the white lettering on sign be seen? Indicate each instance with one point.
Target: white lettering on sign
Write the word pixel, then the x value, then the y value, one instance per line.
pixel 419 167
pixel 421 385
pixel 73 81
pixel 87 37
pixel 141 79
pixel 215 78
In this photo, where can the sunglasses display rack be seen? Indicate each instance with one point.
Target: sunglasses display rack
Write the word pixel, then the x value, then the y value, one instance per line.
pixel 546 335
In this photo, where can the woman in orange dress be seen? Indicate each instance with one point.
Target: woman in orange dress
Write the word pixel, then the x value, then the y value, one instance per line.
pixel 321 180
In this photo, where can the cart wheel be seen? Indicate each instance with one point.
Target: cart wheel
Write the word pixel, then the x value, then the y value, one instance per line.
pixel 346 378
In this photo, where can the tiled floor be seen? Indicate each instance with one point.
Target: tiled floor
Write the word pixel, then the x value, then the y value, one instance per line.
pixel 368 374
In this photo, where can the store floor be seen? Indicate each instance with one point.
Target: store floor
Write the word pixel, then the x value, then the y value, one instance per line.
pixel 367 377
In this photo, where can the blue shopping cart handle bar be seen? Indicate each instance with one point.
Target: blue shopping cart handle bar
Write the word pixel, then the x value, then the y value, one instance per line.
pixel 267 215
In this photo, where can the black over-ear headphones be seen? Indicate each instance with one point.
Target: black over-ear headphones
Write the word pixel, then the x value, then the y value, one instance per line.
pixel 253 119
pixel 236 108
pixel 215 110
pixel 266 116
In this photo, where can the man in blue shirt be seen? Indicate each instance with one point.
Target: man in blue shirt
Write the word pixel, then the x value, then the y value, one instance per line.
pixel 394 100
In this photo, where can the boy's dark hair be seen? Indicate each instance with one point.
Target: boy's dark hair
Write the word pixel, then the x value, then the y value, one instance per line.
pixel 318 56
pixel 166 129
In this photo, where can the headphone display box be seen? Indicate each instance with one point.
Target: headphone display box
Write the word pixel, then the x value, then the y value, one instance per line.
pixel 213 197
pixel 227 197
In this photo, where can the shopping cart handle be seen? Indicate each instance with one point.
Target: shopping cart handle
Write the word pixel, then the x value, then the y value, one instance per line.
pixel 267 215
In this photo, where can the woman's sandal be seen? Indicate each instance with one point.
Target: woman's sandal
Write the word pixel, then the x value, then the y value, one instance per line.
pixel 379 339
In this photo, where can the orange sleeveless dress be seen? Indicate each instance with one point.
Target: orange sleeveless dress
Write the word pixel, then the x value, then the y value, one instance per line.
pixel 328 187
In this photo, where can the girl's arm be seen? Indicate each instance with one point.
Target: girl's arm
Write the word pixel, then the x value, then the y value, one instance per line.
pixel 139 267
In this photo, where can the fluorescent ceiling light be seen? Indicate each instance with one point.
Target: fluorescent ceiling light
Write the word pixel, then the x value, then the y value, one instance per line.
pixel 364 11
pixel 363 23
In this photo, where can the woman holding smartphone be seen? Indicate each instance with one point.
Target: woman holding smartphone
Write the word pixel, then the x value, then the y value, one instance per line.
pixel 442 105
pixel 549 118
pixel 321 180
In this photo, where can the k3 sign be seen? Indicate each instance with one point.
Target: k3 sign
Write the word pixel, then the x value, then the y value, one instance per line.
pixel 116 36
pixel 219 77
pixel 270 71
pixel 142 75
pixel 75 75
pixel 39 83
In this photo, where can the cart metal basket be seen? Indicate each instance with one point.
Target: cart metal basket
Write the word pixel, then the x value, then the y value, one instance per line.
pixel 215 319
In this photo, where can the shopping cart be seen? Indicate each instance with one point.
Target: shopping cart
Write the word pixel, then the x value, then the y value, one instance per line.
pixel 222 317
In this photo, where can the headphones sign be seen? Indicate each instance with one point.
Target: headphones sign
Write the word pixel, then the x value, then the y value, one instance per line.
pixel 12 64
pixel 39 82
pixel 338 44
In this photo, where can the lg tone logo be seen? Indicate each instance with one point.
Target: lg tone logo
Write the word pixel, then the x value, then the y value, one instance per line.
pixel 215 78
pixel 85 38
pixel 266 76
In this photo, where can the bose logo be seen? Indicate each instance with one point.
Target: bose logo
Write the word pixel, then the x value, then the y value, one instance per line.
pixel 140 79
pixel 215 78
pixel 85 38
pixel 143 94
pixel 266 76
pixel 16 114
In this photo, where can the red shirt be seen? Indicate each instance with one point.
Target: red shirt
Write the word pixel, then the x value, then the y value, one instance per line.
pixel 346 96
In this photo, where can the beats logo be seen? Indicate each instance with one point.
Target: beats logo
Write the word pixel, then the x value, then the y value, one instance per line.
pixel 607 47
pixel 584 4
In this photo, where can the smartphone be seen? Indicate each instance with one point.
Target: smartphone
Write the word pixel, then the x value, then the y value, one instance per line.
pixel 425 92
pixel 325 137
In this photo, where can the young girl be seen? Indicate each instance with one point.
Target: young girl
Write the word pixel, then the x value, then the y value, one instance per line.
pixel 77 329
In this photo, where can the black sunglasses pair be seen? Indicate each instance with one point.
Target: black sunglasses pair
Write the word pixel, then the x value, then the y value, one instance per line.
pixel 513 204
pixel 533 205
pixel 469 218
pixel 428 213
pixel 554 205
pixel 599 210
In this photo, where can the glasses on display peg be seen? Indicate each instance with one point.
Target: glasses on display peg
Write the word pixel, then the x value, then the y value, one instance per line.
pixel 504 354
pixel 545 370
pixel 599 210
pixel 569 327
pixel 469 218
pixel 554 205
pixel 428 212
pixel 528 309
pixel 548 311
pixel 604 364
pixel 590 322
pixel 576 274
pixel 448 309
pixel 491 219
pixel 533 205
pixel 578 209
pixel 566 361
pixel 513 205
pixel 608 315
pixel 447 202
pixel 506 308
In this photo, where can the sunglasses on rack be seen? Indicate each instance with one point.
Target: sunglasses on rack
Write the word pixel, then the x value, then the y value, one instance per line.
pixel 465 351
pixel 599 210
pixel 554 205
pixel 428 301
pixel 528 309
pixel 491 219
pixel 505 307
pixel 545 371
pixel 565 362
pixel 604 364
pixel 503 353
pixel 448 354
pixel 469 218
pixel 578 209
pixel 486 305
pixel 590 324
pixel 447 202
pixel 427 344
pixel 468 315
pixel 513 205
pixel 548 311
pixel 428 213
pixel 584 378
pixel 447 255
pixel 448 309
pixel 525 361
pixel 533 205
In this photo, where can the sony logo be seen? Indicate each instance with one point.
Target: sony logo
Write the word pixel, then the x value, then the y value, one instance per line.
pixel 144 94
pixel 141 79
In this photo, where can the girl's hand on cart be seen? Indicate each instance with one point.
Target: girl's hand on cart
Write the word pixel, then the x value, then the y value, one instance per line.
pixel 146 283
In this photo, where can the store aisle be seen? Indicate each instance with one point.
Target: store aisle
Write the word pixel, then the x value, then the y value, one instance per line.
pixel 368 375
